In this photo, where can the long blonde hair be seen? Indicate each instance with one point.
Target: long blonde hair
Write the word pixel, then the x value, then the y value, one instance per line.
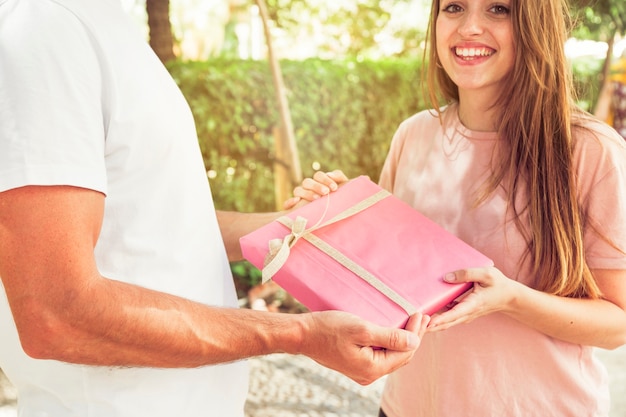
pixel 536 154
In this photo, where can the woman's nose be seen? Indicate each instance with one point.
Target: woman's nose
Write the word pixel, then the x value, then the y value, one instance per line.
pixel 471 24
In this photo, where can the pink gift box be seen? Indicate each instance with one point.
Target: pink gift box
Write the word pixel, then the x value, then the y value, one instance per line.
pixel 381 262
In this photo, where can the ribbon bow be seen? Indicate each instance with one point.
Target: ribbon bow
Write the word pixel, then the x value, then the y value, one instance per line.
pixel 281 248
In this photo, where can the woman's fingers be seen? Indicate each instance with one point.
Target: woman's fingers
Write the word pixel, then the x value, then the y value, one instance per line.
pixel 320 185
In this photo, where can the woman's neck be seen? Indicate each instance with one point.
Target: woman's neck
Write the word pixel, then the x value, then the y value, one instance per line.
pixel 477 112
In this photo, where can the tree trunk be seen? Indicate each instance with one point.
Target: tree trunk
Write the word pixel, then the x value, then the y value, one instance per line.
pixel 287 171
pixel 161 38
pixel 606 67
pixel 602 104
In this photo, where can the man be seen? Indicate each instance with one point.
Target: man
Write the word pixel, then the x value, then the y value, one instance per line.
pixel 119 299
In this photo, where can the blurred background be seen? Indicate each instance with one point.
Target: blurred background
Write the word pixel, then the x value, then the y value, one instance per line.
pixel 282 88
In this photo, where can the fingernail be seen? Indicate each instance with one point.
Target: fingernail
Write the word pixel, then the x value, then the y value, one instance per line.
pixel 450 277
pixel 325 190
pixel 333 187
pixel 412 340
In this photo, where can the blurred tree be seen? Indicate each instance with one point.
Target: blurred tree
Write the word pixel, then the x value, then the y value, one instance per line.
pixel 302 28
pixel 600 20
pixel 160 29
pixel 287 170
pixel 353 28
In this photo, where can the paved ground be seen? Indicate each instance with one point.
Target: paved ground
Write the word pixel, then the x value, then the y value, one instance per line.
pixel 284 386
pixel 288 386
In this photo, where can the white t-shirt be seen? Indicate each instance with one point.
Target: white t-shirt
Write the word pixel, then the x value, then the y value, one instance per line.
pixel 85 102
pixel 496 366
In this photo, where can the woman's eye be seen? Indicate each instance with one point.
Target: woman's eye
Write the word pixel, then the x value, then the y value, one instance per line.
pixel 500 9
pixel 452 8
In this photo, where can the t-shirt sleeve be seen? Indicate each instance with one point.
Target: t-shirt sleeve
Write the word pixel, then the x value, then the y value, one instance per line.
pixel 602 175
pixel 392 160
pixel 52 127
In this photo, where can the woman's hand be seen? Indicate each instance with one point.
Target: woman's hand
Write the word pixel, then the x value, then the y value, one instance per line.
pixel 311 189
pixel 492 292
pixel 583 321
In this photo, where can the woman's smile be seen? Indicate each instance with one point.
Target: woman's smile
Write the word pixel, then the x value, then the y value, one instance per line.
pixel 469 54
pixel 475 44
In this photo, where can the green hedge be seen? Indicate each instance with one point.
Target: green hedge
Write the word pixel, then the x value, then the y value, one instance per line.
pixel 587 80
pixel 344 114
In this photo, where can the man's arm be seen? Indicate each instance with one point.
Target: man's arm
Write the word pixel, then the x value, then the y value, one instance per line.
pixel 234 225
pixel 65 310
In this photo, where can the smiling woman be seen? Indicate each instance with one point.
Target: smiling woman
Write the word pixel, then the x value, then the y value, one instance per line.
pixel 476 50
pixel 509 164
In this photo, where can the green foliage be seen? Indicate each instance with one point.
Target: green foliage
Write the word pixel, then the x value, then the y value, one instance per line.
pixel 232 102
pixel 344 114
pixel 347 27
pixel 599 19
pixel 245 273
pixel 587 71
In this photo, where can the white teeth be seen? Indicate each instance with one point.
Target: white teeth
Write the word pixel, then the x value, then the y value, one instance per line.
pixel 472 52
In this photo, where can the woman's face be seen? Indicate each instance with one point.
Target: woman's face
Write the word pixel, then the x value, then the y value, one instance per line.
pixel 475 44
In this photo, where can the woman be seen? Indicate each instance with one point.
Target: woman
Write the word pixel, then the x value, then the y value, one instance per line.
pixel 514 168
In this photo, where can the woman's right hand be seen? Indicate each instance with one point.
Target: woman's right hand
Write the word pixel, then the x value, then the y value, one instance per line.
pixel 311 189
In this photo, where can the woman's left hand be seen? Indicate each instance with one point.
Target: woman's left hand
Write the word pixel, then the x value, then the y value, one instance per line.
pixel 311 189
pixel 492 292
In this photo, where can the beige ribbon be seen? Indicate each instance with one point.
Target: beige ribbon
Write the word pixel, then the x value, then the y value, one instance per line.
pixel 281 248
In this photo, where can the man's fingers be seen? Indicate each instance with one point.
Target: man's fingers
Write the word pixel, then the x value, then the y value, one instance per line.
pixel 418 323
pixel 395 339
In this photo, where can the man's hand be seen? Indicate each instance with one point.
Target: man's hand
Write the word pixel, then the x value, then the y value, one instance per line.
pixel 360 350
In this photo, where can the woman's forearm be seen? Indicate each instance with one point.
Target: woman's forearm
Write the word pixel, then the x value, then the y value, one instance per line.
pixel 599 322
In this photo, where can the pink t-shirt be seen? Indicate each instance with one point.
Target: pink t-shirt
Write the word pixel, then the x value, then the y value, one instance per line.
pixel 496 366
